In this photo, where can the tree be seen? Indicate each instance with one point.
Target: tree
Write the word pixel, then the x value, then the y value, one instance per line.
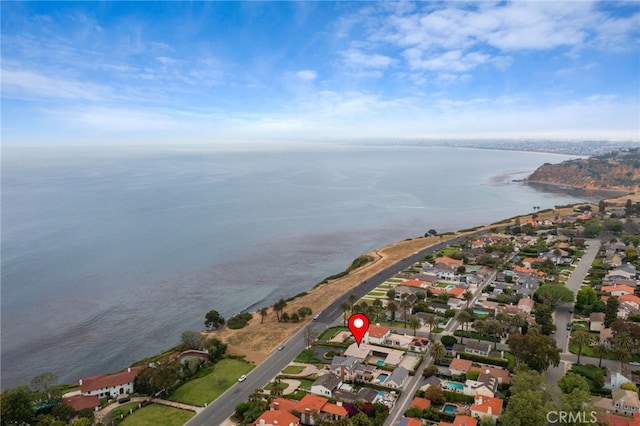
pixel 391 294
pixel 16 406
pixel 213 320
pixel 554 294
pixel 480 326
pixel 448 341
pixel 601 350
pixel 601 206
pixel 544 318
pixel 432 321
pixel 435 395
pixel 263 313
pixel 437 351
pixel 528 404
pixel 467 296
pixel 392 307
pixel 405 305
pixel 310 335
pixel 629 386
pixel 345 306
pixel 285 317
pixel 352 300
pixel 160 378
pixel 463 318
pixel 581 338
pixel 611 311
pixel 295 317
pixel 429 371
pixel 215 348
pixel 82 421
pixel 495 329
pixel 192 339
pixel 623 356
pixel 432 232
pixel 586 296
pixel 536 350
pixel 304 312
pixel 628 208
pixel 414 324
pixel 377 305
pixel 278 307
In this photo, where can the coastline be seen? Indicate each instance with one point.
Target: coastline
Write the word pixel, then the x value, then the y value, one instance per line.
pixel 606 193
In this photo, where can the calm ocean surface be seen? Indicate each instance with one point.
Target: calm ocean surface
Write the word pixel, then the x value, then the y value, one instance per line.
pixel 108 255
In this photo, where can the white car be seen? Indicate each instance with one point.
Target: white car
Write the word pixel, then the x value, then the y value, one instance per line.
pixel 242 378
pixel 316 316
pixel 634 363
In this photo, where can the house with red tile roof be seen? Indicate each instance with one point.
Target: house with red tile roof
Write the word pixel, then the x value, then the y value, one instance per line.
pixel 456 291
pixel 283 404
pixel 446 260
pixel 110 385
pixel 632 300
pixel 617 290
pixel 529 261
pixel 459 366
pixel 414 283
pixel 524 270
pixel 485 406
pixel 421 403
pixel 377 334
pixel 81 402
pixel 525 305
pixel 461 420
pixel 277 418
pixel 311 404
pixel 409 421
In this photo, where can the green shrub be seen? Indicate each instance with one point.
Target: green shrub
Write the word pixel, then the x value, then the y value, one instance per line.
pixel 239 321
pixel 457 397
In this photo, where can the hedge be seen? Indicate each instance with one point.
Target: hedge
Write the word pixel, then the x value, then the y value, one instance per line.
pixel 457 397
pixel 484 359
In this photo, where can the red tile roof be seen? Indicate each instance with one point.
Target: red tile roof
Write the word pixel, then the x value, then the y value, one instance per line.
pixel 524 270
pixel 615 420
pixel 457 291
pixel 311 402
pixel 378 331
pixel 414 283
pixel 283 404
pixel 80 402
pixel 630 298
pixel 413 422
pixel 337 410
pixel 460 364
pixel 621 287
pixel 465 421
pixel 448 261
pixel 277 417
pixel 421 403
pixel 483 403
pixel 89 384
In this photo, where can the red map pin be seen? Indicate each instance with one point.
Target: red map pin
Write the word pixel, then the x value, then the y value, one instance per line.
pixel 358 324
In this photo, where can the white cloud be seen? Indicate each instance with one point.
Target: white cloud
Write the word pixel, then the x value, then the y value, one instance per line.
pixel 306 75
pixel 357 59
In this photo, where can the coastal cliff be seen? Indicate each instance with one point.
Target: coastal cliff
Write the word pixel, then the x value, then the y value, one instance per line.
pixel 617 171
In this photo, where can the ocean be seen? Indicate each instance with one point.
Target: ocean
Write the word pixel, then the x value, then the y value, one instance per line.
pixel 108 254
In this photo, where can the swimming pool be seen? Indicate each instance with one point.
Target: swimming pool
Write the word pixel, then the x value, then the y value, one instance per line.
pixel 449 408
pixel 379 362
pixel 455 386
pixel 382 377
pixel 450 287
pixel 478 312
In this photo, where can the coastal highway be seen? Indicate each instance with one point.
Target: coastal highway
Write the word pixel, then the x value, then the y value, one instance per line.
pixel 224 406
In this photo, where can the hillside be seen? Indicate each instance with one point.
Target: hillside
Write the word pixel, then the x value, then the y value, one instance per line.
pixel 617 171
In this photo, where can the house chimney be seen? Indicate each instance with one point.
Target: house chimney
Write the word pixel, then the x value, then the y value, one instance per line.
pixel 339 403
pixel 487 371
pixel 342 372
pixel 80 382
pixel 129 370
pixel 276 405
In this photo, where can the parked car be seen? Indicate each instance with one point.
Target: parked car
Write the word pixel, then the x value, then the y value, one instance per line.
pixel 634 363
pixel 242 378
pixel 281 347
pixel 123 400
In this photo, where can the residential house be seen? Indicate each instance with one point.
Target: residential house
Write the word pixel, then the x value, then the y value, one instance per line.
pixel 456 304
pixel 596 321
pixel 501 374
pixel 474 347
pixel 618 290
pixel 613 260
pixel 364 373
pixel 110 385
pixel 82 402
pixel 376 334
pixel 409 421
pixel 528 262
pixel 283 404
pixel 364 395
pixel 405 290
pixel 486 385
pixel 614 380
pixel 625 401
pixel 390 357
pixel 325 385
pixel 344 367
pixel 615 420
pixel 630 299
pixel 484 406
pixel 277 418
pixel 606 336
pixel 414 283
pixel 459 366
pixel 311 404
pixel 526 305
pixel 419 344
pixel 397 378
pixel 461 420
pixel 399 340
pixel 449 262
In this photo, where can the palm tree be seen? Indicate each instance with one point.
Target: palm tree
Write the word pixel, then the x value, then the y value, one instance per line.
pixel 480 326
pixel 580 338
pixel 495 329
pixel 432 321
pixel 437 351
pixel 278 307
pixel 345 306
pixel 378 305
pixel 415 324
pixel 392 307
pixel 263 313
pixel 622 341
pixel 601 350
pixel 623 356
pixel 352 300
pixel 467 296
pixel 463 318
pixel 405 304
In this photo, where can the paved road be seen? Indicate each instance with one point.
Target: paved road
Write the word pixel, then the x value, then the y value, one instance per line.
pixel 224 406
pixel 563 315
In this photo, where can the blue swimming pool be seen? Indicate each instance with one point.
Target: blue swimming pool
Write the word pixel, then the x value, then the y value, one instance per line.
pixel 478 312
pixel 450 287
pixel 379 362
pixel 449 408
pixel 455 386
pixel 382 377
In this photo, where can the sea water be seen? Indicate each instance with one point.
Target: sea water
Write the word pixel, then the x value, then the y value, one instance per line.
pixel 108 254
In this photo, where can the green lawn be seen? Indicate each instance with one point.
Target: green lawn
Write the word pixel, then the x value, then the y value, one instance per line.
pixel 206 389
pixel 331 332
pixel 123 409
pixel 293 369
pixel 156 414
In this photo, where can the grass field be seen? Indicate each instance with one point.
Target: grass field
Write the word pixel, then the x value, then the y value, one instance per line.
pixel 123 409
pixel 155 414
pixel 207 388
pixel 293 369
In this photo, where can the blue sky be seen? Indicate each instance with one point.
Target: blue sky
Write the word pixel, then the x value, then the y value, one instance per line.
pixel 207 72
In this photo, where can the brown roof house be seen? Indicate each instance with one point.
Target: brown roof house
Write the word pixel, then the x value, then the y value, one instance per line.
pixel 110 385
